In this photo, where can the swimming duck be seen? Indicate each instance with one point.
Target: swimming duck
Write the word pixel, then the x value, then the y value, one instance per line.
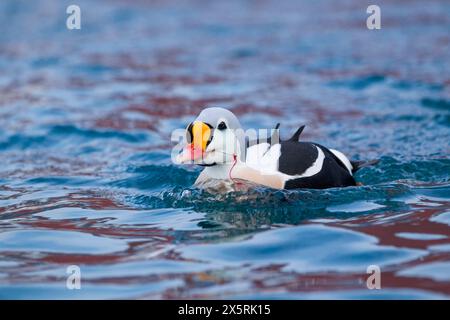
pixel 216 141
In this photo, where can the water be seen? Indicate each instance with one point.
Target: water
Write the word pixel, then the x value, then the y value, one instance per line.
pixel 86 177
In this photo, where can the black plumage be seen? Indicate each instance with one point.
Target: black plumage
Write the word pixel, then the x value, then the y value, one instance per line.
pixel 296 157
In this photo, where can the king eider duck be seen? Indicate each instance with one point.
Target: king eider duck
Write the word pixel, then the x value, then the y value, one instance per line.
pixel 217 141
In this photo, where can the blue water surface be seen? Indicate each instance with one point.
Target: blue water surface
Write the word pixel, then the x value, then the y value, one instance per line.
pixel 86 179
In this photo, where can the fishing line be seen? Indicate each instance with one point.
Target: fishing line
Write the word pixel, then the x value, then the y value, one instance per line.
pixel 232 166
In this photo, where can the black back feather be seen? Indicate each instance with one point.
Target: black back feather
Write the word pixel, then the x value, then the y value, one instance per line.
pixel 275 138
pixel 297 134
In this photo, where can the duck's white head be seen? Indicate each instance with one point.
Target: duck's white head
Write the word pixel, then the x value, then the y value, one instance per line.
pixel 214 138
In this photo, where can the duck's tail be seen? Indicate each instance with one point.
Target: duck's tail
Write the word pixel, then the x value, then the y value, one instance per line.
pixel 363 163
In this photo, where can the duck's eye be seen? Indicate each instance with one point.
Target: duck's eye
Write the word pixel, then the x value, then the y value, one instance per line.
pixel 222 126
